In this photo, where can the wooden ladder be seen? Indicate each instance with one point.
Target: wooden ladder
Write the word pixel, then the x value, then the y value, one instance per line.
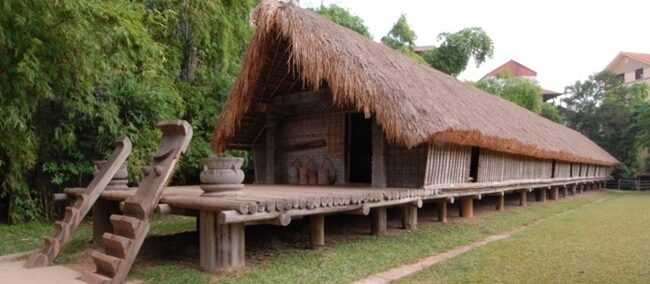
pixel 122 246
pixel 76 213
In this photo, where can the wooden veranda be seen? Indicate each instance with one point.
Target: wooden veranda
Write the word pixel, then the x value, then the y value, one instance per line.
pixel 221 221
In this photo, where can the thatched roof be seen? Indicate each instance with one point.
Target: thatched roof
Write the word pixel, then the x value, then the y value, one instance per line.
pixel 295 49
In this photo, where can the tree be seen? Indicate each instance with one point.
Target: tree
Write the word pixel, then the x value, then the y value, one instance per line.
pixel 402 38
pixel 76 75
pixel 612 115
pixel 344 18
pixel 521 91
pixel 453 55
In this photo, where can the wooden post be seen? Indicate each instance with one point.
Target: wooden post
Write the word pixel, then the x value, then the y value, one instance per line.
pixel 555 193
pixel 501 203
pixel 378 166
pixel 271 124
pixel 565 191
pixel 523 197
pixel 410 221
pixel 317 230
pixel 221 245
pixel 442 211
pixel 102 211
pixel 378 221
pixel 541 195
pixel 573 189
pixel 467 207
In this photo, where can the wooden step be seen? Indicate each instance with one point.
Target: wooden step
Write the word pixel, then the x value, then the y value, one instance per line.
pixel 94 278
pixel 106 264
pixel 61 230
pixel 83 203
pixel 125 226
pixel 71 215
pixel 116 245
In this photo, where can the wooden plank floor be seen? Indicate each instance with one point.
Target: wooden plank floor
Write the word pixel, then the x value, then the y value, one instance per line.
pixel 273 200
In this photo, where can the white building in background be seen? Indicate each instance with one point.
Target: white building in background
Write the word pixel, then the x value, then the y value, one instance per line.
pixel 632 67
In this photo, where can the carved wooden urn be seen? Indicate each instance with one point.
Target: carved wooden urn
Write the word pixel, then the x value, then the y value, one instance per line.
pixel 119 180
pixel 222 176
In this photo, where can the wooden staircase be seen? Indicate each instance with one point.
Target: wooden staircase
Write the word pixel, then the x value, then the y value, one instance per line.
pixel 85 201
pixel 122 246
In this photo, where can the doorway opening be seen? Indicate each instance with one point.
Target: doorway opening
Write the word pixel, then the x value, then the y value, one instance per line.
pixel 473 164
pixel 360 149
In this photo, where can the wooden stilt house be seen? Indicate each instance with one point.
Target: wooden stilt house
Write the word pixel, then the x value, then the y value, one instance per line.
pixel 313 91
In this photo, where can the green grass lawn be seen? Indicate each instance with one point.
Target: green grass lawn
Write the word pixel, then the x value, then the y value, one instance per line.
pixel 347 260
pixel 606 242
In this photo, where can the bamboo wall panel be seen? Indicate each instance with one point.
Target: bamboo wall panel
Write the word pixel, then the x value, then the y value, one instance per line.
pixel 562 170
pixel 330 128
pixel 498 166
pixel 404 167
pixel 448 163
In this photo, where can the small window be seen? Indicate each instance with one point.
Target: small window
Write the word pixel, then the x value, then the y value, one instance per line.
pixel 638 74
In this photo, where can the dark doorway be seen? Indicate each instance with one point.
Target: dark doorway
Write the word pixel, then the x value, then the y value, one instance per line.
pixel 360 149
pixel 473 164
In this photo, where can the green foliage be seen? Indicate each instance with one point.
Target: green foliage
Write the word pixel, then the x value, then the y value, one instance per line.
pixel 344 18
pixel 453 55
pixel 76 75
pixel 402 38
pixel 521 91
pixel 613 115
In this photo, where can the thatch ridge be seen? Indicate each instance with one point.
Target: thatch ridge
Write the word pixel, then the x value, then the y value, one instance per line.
pixel 412 102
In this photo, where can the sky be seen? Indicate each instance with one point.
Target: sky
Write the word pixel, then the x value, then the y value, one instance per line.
pixel 563 41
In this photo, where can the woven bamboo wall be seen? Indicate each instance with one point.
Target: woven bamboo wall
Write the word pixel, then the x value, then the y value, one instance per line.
pixel 562 170
pixel 330 128
pixel 405 168
pixel 498 166
pixel 448 163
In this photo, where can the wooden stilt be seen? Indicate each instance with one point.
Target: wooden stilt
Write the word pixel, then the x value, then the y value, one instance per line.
pixel 410 221
pixel 378 221
pixel 523 197
pixel 565 191
pixel 573 189
pixel 442 211
pixel 317 230
pixel 221 246
pixel 102 211
pixel 501 203
pixel 467 207
pixel 555 193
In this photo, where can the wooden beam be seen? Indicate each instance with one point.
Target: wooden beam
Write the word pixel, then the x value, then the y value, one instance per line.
pixel 410 218
pixel 378 165
pixel 301 98
pixel 467 207
pixel 523 197
pixel 317 230
pixel 442 211
pixel 378 221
